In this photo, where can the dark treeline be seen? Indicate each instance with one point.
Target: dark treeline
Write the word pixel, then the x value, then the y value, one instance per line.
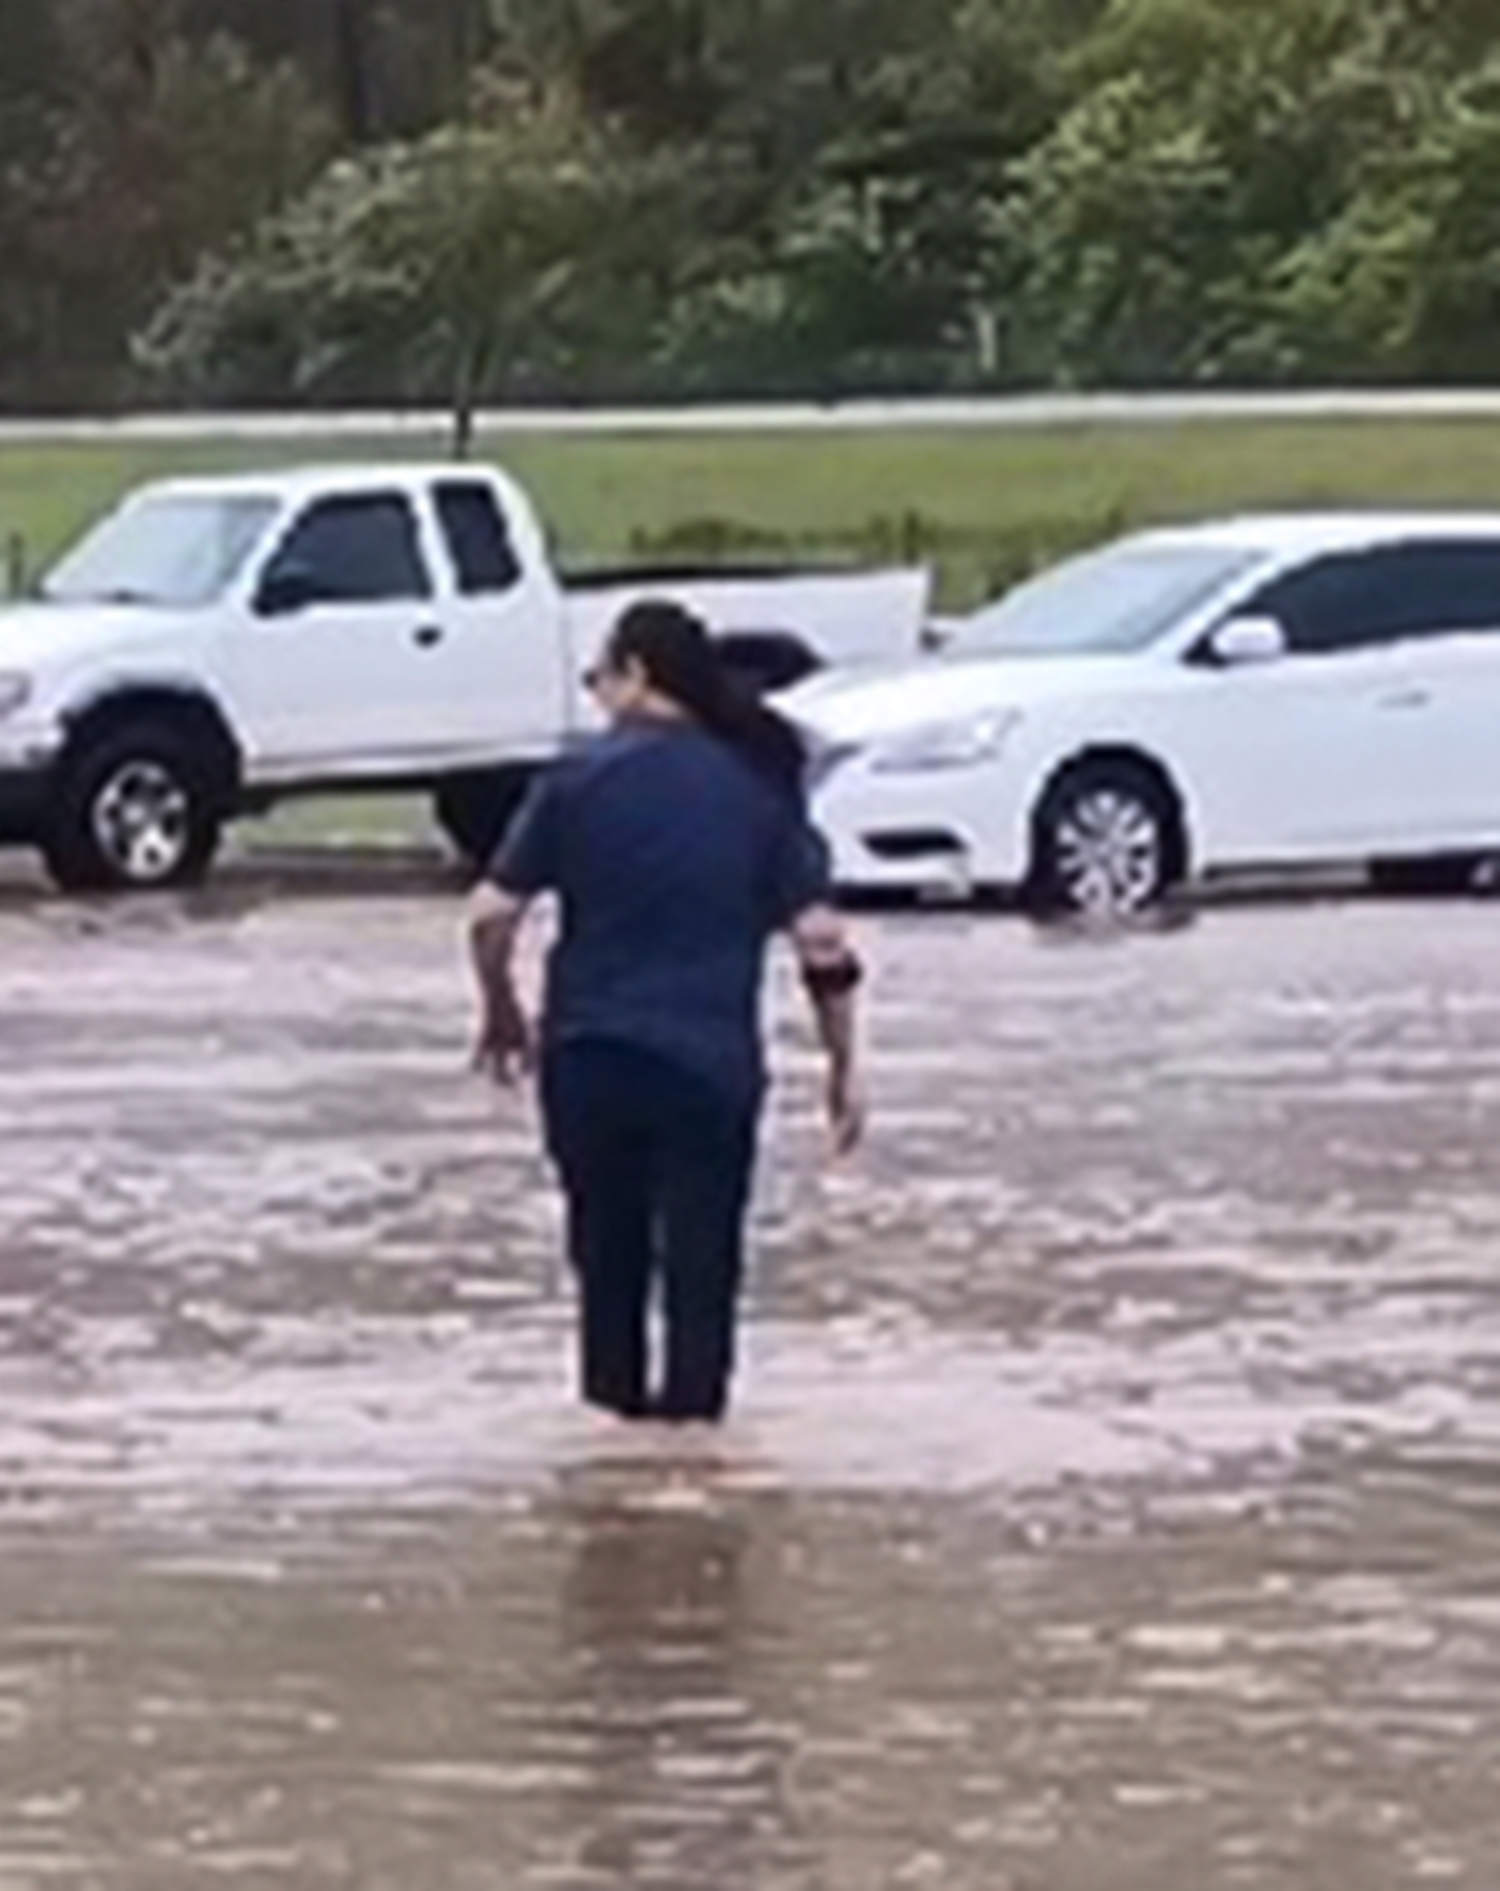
pixel 286 201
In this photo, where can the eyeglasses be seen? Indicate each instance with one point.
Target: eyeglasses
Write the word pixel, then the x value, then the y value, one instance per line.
pixel 600 673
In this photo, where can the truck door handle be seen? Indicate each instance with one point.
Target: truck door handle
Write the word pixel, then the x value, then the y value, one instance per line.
pixel 1406 699
pixel 428 636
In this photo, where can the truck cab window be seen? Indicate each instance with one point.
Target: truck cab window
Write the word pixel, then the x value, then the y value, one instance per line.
pixel 353 550
pixel 484 559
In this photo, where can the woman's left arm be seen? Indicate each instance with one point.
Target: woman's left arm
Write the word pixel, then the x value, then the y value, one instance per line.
pixel 832 974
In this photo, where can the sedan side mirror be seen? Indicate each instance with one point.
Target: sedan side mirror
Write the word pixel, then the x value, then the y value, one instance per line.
pixel 1246 640
pixel 285 590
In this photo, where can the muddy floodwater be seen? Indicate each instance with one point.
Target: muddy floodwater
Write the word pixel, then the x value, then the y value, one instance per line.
pixel 1113 1502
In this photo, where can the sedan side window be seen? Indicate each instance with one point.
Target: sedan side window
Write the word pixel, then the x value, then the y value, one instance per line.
pixel 356 550
pixel 1359 600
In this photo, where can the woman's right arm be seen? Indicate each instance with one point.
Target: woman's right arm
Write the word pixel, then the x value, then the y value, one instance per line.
pixel 524 866
pixel 505 1043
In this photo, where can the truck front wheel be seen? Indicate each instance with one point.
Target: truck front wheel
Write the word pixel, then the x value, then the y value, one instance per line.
pixel 474 810
pixel 134 809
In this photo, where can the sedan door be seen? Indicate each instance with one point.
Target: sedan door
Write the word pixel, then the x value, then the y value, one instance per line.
pixel 1333 751
pixel 1450 790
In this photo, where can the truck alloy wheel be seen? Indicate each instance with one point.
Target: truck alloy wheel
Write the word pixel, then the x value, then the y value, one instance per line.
pixel 141 822
pixel 134 810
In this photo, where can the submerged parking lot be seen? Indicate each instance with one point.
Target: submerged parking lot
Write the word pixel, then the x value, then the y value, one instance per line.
pixel 1112 1505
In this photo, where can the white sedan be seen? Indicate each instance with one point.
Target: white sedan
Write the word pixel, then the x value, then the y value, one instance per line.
pixel 1257 692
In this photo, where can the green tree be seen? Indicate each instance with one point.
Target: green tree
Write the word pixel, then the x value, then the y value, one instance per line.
pixel 471 262
pixel 855 144
pixel 1174 224
pixel 144 148
pixel 1405 281
pixel 750 196
pixel 385 68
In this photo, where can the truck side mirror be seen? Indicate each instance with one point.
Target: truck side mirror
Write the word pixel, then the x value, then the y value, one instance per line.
pixel 285 590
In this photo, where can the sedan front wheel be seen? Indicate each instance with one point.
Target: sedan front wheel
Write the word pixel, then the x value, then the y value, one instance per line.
pixel 1107 842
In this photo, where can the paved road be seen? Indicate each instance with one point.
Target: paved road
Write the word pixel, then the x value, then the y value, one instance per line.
pixel 1016 411
pixel 1113 1504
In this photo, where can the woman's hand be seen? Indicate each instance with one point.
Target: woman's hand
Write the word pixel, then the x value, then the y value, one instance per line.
pixel 832 974
pixel 848 1113
pixel 505 1049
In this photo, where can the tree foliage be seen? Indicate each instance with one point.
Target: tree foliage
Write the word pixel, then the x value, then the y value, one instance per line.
pixel 140 148
pixel 370 200
pixel 476 259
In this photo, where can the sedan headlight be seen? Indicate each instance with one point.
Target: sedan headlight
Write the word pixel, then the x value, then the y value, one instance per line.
pixel 15 692
pixel 938 745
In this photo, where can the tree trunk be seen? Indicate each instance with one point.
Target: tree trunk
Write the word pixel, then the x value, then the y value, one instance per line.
pixel 351 54
pixel 986 342
pixel 463 425
pixel 467 375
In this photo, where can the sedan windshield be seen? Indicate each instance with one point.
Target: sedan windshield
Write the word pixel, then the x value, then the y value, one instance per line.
pixel 1107 603
pixel 179 552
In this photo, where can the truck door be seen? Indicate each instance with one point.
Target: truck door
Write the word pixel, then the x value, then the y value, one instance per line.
pixel 505 621
pixel 341 667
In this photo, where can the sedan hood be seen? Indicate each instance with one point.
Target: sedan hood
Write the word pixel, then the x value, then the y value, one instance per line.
pixel 877 704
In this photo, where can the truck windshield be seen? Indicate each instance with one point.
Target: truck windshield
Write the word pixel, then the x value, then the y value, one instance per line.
pixel 180 552
pixel 1108 603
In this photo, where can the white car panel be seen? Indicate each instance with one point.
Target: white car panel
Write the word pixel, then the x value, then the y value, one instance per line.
pixel 843 617
pixel 1442 733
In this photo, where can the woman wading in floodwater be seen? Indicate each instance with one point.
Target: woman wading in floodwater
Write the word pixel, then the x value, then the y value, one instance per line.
pixel 678 844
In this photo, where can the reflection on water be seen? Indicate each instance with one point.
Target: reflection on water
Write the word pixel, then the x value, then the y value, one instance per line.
pixel 679 1778
pixel 1113 1505
pixel 638 1682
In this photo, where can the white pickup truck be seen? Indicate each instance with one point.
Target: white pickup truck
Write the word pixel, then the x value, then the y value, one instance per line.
pixel 216 645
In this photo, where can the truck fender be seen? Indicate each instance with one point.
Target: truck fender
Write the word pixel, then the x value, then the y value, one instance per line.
pixel 183 704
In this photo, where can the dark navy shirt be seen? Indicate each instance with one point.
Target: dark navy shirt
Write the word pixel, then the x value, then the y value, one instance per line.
pixel 675 862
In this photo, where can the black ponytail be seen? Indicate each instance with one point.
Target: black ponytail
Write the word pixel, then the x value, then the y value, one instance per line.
pixel 682 662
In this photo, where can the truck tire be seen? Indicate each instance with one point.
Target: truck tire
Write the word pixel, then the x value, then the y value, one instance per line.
pixel 474 810
pixel 135 809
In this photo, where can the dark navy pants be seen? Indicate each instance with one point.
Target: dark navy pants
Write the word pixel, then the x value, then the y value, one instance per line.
pixel 656 1165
